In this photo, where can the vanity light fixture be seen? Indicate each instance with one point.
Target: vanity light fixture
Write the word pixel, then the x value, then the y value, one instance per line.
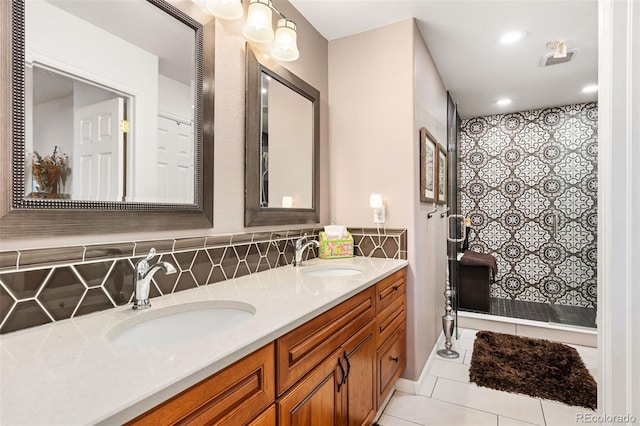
pixel 258 27
pixel 590 88
pixel 503 102
pixel 376 203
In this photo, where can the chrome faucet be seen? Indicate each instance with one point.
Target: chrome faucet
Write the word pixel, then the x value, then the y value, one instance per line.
pixel 142 279
pixel 300 248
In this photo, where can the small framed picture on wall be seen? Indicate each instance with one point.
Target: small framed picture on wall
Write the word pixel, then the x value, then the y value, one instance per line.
pixel 428 163
pixel 441 172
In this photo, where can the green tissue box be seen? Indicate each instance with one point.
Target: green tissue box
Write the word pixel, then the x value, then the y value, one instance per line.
pixel 335 249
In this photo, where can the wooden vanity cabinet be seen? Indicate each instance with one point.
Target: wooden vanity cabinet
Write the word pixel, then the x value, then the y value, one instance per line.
pixel 391 348
pixel 335 369
pixel 232 396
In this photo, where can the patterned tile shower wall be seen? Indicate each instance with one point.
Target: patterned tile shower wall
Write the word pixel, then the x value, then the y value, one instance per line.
pixel 528 182
pixel 44 285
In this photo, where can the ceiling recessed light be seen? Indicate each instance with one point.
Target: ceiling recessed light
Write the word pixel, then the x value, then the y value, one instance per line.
pixel 503 102
pixel 512 37
pixel 590 88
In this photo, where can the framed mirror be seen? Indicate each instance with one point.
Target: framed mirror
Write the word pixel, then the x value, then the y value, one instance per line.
pixel 110 125
pixel 281 145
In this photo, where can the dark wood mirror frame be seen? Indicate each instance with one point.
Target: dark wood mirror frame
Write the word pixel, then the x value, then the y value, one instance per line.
pixel 254 215
pixel 20 218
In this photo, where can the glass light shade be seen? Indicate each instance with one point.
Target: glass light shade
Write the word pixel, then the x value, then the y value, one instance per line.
pixel 258 27
pixel 226 9
pixel 285 46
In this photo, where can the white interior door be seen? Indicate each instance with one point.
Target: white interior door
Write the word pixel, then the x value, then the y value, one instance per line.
pixel 175 161
pixel 97 170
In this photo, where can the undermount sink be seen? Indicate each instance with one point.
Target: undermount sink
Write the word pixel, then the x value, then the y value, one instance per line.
pixel 332 271
pixel 180 323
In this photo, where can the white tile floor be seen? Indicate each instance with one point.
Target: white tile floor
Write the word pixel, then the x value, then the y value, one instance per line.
pixel 448 398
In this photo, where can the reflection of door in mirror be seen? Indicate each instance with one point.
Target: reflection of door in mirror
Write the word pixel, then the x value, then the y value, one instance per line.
pixel 287 146
pixel 74 127
pixel 97 151
pixel 114 59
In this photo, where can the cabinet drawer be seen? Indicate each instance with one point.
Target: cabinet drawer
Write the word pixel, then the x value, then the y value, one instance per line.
pixel 232 396
pixel 391 360
pixel 300 350
pixel 390 319
pixel 390 289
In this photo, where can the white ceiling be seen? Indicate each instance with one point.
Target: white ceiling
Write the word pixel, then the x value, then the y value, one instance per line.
pixel 462 36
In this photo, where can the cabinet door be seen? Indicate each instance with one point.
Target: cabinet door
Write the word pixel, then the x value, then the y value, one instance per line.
pixel 360 353
pixel 318 398
pixel 391 360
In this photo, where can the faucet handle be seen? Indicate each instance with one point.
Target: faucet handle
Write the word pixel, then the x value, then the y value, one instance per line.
pixel 300 240
pixel 143 264
pixel 151 254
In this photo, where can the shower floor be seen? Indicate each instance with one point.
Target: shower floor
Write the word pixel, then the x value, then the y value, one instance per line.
pixel 558 314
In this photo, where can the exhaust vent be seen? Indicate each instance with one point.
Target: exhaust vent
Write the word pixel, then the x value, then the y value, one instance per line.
pixel 549 59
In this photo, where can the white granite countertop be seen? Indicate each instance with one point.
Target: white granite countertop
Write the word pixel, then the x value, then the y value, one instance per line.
pixel 70 373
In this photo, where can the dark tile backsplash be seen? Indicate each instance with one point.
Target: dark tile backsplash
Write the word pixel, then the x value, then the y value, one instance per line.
pixel 43 285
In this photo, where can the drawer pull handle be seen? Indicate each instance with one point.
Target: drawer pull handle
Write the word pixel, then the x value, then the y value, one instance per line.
pixel 395 359
pixel 344 376
pixel 346 358
pixel 395 288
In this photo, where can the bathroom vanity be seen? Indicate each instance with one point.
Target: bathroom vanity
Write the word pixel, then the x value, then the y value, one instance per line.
pixel 330 334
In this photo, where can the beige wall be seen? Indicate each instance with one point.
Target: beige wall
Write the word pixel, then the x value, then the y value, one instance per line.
pixel 383 86
pixel 430 112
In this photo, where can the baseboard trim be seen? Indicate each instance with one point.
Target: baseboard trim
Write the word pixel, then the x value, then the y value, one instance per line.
pixel 413 386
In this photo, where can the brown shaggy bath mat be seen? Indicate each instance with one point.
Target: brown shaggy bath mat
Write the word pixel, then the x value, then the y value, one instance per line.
pixel 534 367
